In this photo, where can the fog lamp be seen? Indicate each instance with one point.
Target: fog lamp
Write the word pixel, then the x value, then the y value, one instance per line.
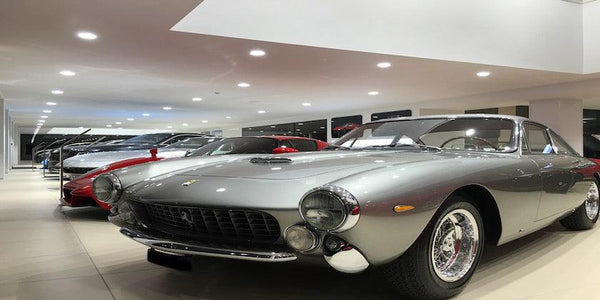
pixel 300 238
pixel 334 244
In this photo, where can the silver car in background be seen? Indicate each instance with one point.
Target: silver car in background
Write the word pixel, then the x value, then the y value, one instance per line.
pixel 417 197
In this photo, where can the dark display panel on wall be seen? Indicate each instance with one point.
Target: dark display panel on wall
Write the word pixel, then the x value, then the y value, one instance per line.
pixel 47 139
pixel 591 133
pixel 520 110
pixel 342 125
pixel 391 114
pixel 316 129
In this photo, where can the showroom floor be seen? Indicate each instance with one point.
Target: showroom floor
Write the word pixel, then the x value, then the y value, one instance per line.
pixel 49 252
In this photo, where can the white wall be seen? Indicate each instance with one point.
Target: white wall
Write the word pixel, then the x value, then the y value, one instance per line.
pixel 2 138
pixel 591 37
pixel 535 34
pixel 562 115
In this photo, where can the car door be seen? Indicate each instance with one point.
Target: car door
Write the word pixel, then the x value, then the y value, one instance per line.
pixel 561 185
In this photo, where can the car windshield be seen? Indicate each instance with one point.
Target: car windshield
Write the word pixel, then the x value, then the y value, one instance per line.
pixel 243 145
pixel 480 134
pixel 193 142
pixel 152 138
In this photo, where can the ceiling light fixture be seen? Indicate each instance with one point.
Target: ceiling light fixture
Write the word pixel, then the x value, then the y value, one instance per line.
pixel 227 117
pixel 118 122
pixel 86 35
pixel 130 119
pixel 184 124
pixel 169 127
pixel 204 121
pixel 257 52
pixel 167 108
pixel 384 65
pixel 47 111
pixel 373 93
pixel 57 92
pixel 306 104
pixel 108 125
pixel 41 121
pixel 51 103
pixel 44 117
pixel 196 99
pixel 145 114
pixel 40 124
pixel 243 84
pixel 67 73
pixel 483 74
pixel 261 111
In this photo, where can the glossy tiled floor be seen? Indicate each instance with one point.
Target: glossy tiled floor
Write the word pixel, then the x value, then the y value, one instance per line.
pixel 49 252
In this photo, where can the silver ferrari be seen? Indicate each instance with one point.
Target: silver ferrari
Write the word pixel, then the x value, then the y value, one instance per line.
pixel 416 198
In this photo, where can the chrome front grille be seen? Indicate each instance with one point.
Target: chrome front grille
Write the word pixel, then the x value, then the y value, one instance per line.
pixel 211 223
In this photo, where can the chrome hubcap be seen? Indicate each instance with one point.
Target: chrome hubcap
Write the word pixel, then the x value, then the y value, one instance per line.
pixel 455 245
pixel 592 202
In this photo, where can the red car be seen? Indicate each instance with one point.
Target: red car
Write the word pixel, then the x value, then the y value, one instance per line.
pixel 79 191
pixel 346 127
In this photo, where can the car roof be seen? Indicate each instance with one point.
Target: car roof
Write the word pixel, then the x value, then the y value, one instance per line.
pixel 462 116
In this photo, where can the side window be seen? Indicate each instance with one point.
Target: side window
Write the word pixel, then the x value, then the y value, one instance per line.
pixel 560 146
pixel 538 141
pixel 177 139
pixel 303 145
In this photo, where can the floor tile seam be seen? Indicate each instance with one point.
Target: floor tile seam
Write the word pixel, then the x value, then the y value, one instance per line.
pixel 49 279
pixel 90 257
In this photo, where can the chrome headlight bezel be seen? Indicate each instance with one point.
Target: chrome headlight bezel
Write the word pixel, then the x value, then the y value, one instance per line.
pixel 351 208
pixel 115 187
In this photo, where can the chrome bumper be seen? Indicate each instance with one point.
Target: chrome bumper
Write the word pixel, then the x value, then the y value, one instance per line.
pixel 188 249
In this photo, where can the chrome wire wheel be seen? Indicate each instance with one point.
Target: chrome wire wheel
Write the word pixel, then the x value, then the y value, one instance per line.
pixel 592 203
pixel 455 245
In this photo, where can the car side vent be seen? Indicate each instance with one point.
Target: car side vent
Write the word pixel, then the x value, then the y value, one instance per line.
pixel 270 160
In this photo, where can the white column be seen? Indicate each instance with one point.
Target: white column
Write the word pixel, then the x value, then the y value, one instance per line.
pixel 564 116
pixel 2 138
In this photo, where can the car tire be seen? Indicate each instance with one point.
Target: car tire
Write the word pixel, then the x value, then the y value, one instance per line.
pixel 586 215
pixel 416 275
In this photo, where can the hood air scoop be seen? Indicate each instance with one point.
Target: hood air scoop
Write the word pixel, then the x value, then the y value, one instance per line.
pixel 270 160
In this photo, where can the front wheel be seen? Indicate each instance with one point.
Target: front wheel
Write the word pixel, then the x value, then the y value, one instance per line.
pixel 443 259
pixel 586 215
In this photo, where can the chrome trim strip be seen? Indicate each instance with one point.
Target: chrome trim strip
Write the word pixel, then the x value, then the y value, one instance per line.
pixel 181 248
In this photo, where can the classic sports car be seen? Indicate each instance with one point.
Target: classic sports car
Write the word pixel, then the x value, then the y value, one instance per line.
pixel 416 196
pixel 346 127
pixel 80 164
pixel 78 192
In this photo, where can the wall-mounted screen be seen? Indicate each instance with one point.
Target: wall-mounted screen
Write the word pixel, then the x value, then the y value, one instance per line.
pixel 342 125
pixel 391 114
pixel 316 129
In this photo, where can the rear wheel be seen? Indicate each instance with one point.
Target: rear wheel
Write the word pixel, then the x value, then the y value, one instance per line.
pixel 444 257
pixel 586 215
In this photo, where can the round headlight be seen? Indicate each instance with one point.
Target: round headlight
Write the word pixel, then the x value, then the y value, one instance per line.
pixel 330 208
pixel 107 188
pixel 300 238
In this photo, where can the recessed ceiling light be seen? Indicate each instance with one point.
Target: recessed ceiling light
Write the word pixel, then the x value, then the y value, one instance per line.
pixel 261 111
pixel 167 108
pixel 184 124
pixel 257 52
pixel 483 74
pixel 243 84
pixel 204 121
pixel 86 35
pixel 41 121
pixel 373 93
pixel 66 73
pixel 51 103
pixel 40 124
pixel 169 127
pixel 118 122
pixel 57 92
pixel 47 111
pixel 306 104
pixel 384 65
pixel 44 117
pixel 108 125
pixel 145 114
pixel 120 127
pixel 130 119
pixel 196 99
pixel 80 127
pixel 227 117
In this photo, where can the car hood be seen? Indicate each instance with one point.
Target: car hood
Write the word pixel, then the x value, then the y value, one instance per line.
pixel 99 159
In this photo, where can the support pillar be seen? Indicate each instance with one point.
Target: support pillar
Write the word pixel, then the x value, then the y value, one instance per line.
pixel 564 116
pixel 3 137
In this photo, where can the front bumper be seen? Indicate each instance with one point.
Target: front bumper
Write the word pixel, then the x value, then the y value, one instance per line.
pixel 205 250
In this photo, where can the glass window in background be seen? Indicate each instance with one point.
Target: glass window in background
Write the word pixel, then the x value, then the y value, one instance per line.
pixel 316 129
pixel 342 125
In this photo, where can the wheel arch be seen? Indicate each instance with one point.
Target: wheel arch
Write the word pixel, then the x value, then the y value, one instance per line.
pixel 487 207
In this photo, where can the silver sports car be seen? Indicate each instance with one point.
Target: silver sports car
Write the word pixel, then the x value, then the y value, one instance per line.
pixel 415 197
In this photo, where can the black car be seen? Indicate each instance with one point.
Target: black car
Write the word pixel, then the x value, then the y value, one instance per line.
pixel 140 142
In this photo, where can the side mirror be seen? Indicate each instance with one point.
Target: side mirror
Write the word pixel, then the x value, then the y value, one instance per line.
pixel 284 150
pixel 153 152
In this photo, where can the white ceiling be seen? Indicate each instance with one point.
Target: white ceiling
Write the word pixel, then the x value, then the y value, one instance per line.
pixel 138 65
